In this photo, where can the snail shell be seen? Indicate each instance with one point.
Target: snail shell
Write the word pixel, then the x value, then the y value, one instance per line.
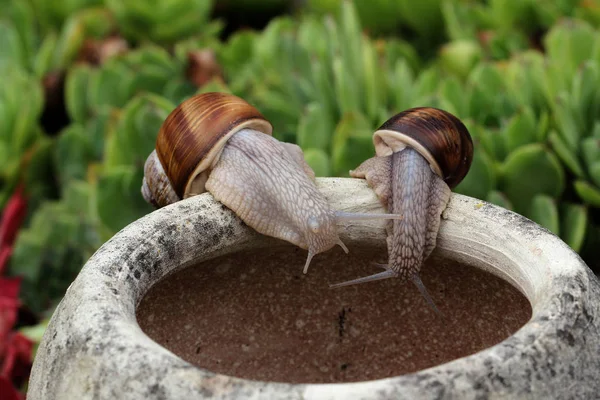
pixel 440 137
pixel 190 142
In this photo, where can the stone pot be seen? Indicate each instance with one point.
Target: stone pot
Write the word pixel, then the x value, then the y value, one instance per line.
pixel 95 348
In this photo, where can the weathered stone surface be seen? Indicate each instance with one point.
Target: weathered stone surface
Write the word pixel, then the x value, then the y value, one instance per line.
pixel 94 348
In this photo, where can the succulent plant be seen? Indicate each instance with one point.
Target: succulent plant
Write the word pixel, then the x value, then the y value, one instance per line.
pixel 422 21
pixel 114 98
pixel 160 21
pixel 21 99
pixel 51 250
pixel 99 165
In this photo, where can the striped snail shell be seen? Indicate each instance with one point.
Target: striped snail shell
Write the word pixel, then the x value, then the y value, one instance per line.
pixel 438 136
pixel 190 142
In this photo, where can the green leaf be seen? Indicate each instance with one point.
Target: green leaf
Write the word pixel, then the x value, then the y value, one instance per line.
pixel 97 21
pixel 27 255
pixel 373 84
pixel 100 128
pixel 76 92
pixel 325 92
pixel 594 171
pixel 543 210
pixel 573 225
pixel 481 178
pixel 426 84
pixel 399 50
pixel 596 130
pixel 352 143
pixel 565 154
pixel 44 57
pixel 51 250
pixel 570 43
pixel 590 148
pixel 70 40
pixel 488 103
pixel 493 141
pixel 588 193
pixel 345 87
pixel 520 130
pixel 583 93
pixel 72 154
pixel 143 21
pixel 315 128
pixel 135 135
pixel 525 76
pixel 238 50
pixel 351 48
pixel 543 125
pixel 38 172
pixel 119 199
pixel 458 19
pixel 453 98
pixel 499 199
pixel 179 89
pixel 424 17
pixel 21 17
pixel 401 86
pixel 113 86
pixel 528 171
pixel 319 161
pixel 12 52
pixel 460 57
pixel 569 128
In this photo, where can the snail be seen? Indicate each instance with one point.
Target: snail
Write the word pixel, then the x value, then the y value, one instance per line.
pixel 219 143
pixel 421 155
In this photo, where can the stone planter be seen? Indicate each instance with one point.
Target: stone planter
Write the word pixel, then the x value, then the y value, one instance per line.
pixel 520 313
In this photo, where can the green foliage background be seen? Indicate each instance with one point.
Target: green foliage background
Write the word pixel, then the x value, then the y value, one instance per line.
pixel 523 75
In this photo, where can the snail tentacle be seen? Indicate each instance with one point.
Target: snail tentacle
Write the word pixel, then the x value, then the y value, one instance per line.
pixel 419 284
pixel 349 216
pixel 371 278
pixel 308 260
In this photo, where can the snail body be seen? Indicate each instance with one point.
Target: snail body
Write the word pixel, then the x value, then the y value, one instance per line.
pixel 218 143
pixel 421 155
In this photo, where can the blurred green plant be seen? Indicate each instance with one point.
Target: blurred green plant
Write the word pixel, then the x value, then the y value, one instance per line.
pixel 423 20
pixel 99 165
pixel 162 22
pixel 25 44
pixel 83 182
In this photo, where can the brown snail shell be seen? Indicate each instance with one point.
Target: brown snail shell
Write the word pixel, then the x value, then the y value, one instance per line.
pixel 193 135
pixel 440 137
pixel 190 142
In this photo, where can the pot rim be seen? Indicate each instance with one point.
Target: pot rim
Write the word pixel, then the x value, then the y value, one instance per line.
pixel 93 338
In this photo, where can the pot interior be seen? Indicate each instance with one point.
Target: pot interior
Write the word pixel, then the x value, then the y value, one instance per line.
pixel 255 315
